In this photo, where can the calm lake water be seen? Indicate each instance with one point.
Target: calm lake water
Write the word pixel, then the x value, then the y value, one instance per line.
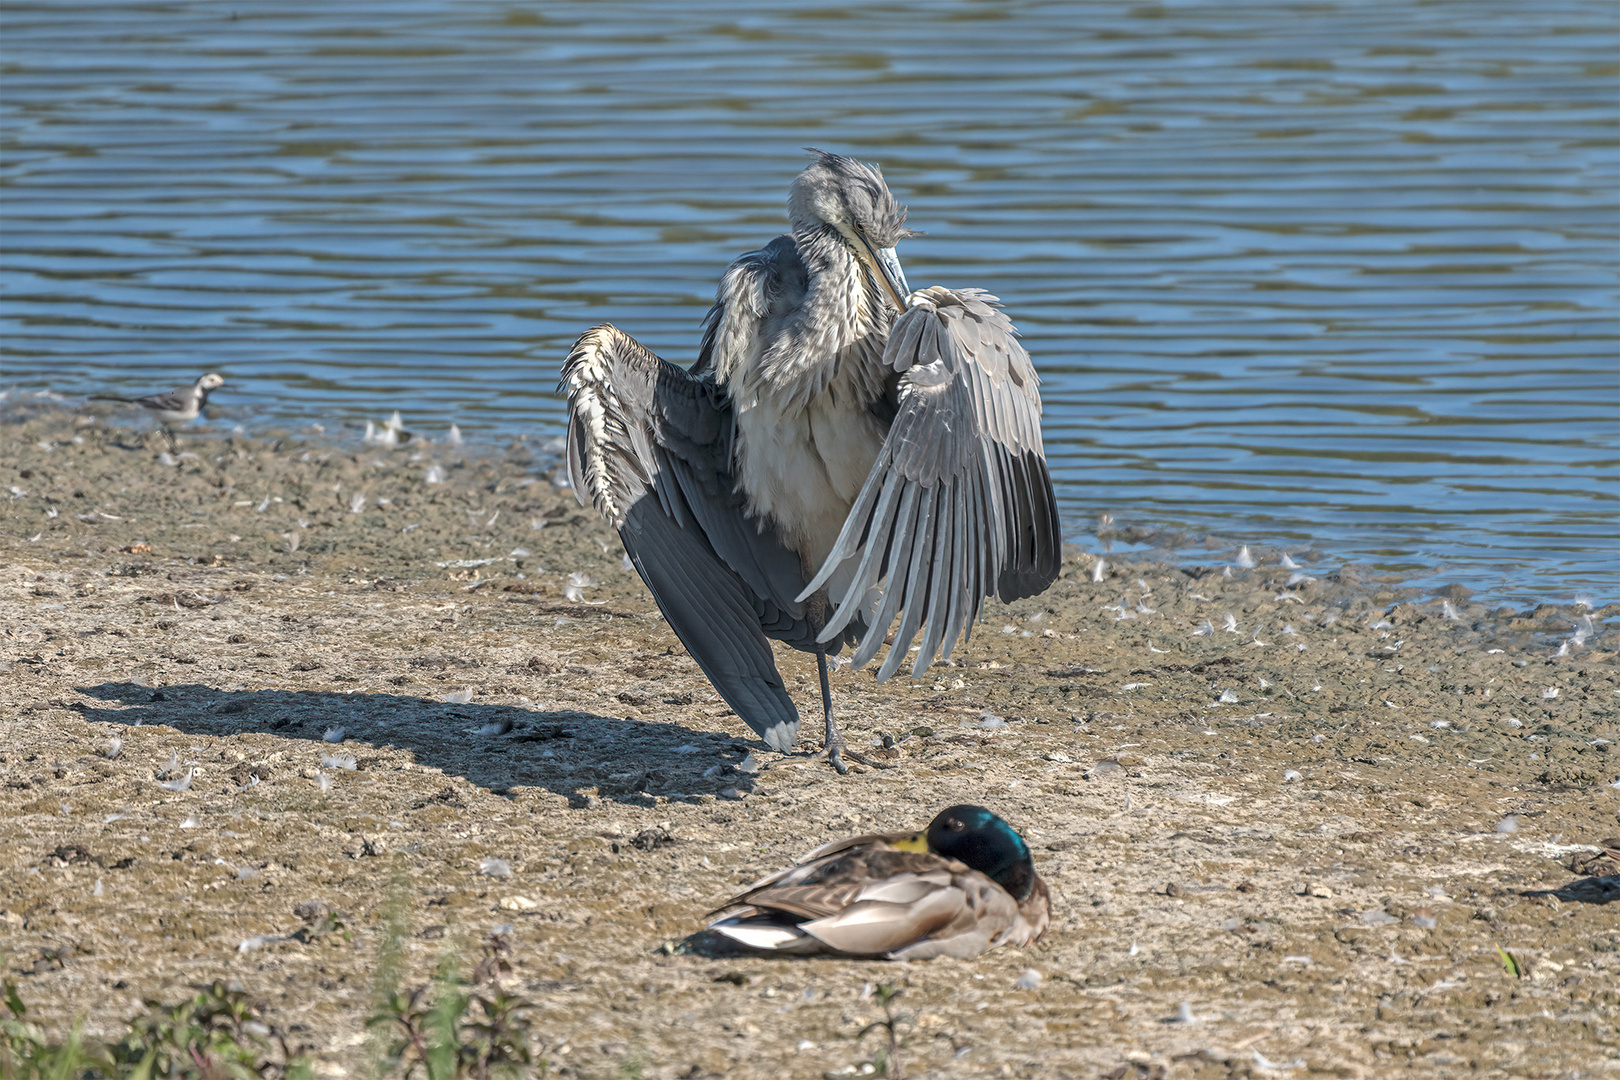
pixel 1332 278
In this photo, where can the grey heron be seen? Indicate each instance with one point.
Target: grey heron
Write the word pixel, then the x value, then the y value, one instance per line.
pixel 844 453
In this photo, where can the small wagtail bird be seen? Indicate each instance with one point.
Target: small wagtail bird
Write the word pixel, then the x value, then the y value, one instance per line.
pixel 963 886
pixel 180 406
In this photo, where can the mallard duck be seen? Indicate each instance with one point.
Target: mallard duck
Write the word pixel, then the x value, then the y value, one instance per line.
pixel 963 886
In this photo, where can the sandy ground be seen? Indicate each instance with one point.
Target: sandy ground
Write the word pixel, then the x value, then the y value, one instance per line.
pixel 1286 826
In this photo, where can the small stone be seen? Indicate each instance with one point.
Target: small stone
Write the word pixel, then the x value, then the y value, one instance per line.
pixel 1320 891
pixel 518 903
pixel 1247 887
pixel 1175 891
pixel 733 794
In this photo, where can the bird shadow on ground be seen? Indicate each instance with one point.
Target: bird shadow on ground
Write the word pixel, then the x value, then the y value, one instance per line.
pixel 579 755
pixel 1587 890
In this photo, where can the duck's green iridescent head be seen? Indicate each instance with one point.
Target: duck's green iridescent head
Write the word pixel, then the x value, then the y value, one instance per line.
pixel 975 836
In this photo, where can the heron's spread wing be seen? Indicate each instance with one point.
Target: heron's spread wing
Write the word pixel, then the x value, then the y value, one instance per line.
pixel 959 504
pixel 648 444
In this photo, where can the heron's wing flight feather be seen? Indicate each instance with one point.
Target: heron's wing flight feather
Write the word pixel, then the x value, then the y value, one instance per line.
pixel 959 504
pixel 648 445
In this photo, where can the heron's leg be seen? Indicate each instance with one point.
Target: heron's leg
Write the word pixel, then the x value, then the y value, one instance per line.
pixel 834 747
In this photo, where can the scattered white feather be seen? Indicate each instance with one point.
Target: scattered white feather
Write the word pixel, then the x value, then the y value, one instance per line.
pixel 1245 560
pixel 1228 697
pixel 749 764
pixel 1583 601
pixel 1184 1014
pixel 333 734
pixel 991 720
pixel 1292 776
pixel 357 503
pixel 1509 824
pixel 1281 1066
pixel 1030 980
pixel 115 746
pixel 1288 563
pixel 1230 624
pixel 323 780
pixel 1099 570
pixel 1449 611
pixel 1205 629
pixel 496 727
pixel 181 784
pixel 434 475
pixel 98 890
pixel 459 697
pixel 339 761
pixel 453 438
pixel 1298 577
pixel 191 822
pixel 1550 692
pixel 495 868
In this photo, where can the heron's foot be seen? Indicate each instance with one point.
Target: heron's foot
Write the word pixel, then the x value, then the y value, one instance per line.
pixel 837 750
pixel 833 754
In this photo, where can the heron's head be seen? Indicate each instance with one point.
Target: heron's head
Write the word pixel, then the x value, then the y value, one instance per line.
pixel 851 196
pixel 983 841
pixel 210 381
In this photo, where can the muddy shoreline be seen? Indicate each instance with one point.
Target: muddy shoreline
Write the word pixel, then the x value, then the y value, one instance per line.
pixel 1305 804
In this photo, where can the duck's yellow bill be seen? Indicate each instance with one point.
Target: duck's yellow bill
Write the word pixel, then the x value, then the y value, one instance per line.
pixel 915 842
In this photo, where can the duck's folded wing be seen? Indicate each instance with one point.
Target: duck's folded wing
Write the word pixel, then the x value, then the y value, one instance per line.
pixel 648 445
pixel 811 864
pixel 859 917
pixel 959 503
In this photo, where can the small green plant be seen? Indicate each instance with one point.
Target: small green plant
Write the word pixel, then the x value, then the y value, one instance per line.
pixel 460 1029
pixel 886 1061
pixel 216 1035
pixel 1510 962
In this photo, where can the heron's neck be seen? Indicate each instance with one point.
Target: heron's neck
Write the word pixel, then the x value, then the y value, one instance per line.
pixel 841 309
pixel 840 300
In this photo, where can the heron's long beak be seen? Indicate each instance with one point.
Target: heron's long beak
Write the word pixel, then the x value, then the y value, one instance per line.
pixel 885 266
